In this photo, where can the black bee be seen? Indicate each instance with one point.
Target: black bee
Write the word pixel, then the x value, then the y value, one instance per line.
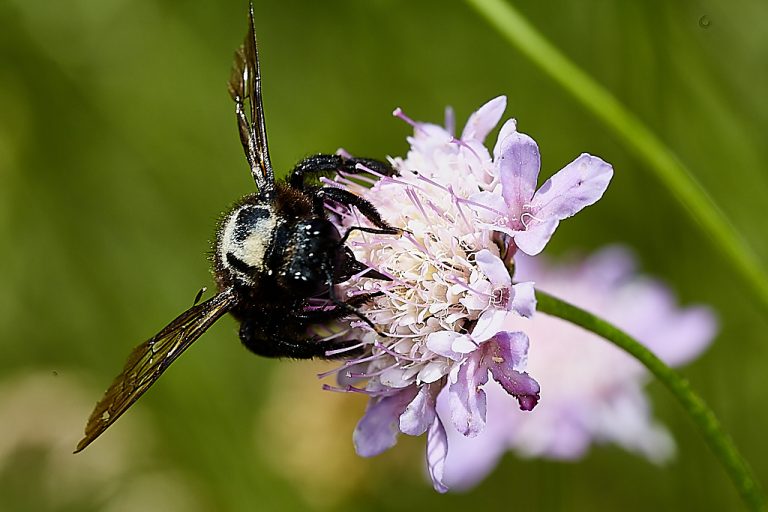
pixel 275 250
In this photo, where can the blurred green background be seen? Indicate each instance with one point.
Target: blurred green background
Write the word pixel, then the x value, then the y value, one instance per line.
pixel 118 151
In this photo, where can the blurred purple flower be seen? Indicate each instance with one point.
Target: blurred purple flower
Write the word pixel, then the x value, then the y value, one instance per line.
pixel 446 311
pixel 592 391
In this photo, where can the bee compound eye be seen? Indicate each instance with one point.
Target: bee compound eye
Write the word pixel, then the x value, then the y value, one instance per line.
pixel 322 229
pixel 306 279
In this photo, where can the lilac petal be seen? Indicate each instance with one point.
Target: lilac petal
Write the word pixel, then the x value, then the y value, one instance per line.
pixel 510 348
pixel 419 414
pixel 464 345
pixel 493 267
pixel 474 302
pixel 524 299
pixel 509 127
pixel 377 430
pixel 437 451
pixel 467 399
pixel 432 371
pixel 394 378
pixel 519 165
pixel 577 185
pixel 489 199
pixel 481 122
pixel 488 206
pixel 426 137
pixel 506 354
pixel 442 343
pixel 533 240
pixel 430 133
pixel 518 384
pixel 489 323
pixel 470 459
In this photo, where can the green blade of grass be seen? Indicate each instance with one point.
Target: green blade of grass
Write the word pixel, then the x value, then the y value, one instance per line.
pixel 718 440
pixel 638 138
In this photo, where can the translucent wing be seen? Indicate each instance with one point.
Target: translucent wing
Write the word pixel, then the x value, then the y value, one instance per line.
pixel 150 359
pixel 245 85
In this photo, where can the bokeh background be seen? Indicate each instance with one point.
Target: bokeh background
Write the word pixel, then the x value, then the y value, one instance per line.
pixel 118 151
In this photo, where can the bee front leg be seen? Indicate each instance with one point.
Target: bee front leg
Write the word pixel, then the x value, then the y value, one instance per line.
pixel 365 207
pixel 316 165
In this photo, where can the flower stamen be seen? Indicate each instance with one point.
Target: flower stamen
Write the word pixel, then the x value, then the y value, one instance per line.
pixel 398 112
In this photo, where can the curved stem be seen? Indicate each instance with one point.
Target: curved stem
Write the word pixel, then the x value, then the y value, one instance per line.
pixel 635 135
pixel 719 442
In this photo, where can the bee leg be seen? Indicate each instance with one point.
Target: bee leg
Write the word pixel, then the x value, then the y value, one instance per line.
pixel 390 231
pixel 348 308
pixel 263 342
pixel 320 316
pixel 320 164
pixel 364 206
pixel 349 266
pixel 338 348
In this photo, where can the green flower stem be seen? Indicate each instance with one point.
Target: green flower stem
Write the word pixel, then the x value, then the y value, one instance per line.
pixel 719 442
pixel 633 133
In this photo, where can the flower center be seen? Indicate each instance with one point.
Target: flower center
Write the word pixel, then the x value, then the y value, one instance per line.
pixel 500 297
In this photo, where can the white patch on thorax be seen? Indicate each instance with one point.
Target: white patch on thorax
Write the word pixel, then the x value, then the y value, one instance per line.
pixel 247 241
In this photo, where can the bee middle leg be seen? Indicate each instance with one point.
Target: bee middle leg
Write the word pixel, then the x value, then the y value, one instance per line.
pixel 320 316
pixel 365 207
pixel 294 344
pixel 276 336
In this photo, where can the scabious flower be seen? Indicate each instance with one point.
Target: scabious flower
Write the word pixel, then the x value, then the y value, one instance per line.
pixel 593 390
pixel 442 318
pixel 530 216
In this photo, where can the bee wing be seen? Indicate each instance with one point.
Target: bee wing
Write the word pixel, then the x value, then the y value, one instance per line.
pixel 245 85
pixel 150 359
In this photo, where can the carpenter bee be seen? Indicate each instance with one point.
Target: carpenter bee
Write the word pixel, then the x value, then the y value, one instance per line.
pixel 276 255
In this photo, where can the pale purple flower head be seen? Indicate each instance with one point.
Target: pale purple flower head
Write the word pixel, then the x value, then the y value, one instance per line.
pixel 444 317
pixel 530 215
pixel 592 391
